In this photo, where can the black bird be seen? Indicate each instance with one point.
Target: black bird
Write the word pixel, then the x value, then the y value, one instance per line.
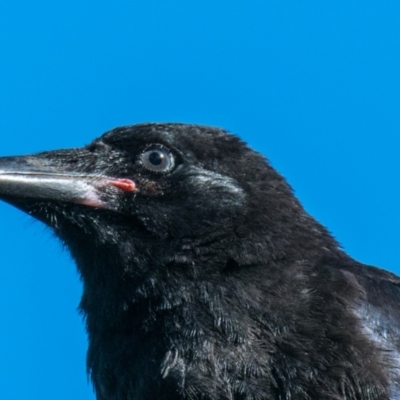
pixel 204 278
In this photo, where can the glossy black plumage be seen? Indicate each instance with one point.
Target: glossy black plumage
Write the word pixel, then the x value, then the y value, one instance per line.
pixel 208 280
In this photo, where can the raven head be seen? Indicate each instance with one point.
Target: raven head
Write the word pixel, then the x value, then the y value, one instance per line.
pixel 169 182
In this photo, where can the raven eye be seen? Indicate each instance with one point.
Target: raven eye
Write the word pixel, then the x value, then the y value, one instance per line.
pixel 157 159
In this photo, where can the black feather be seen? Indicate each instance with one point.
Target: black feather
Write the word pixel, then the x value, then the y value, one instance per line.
pixel 206 279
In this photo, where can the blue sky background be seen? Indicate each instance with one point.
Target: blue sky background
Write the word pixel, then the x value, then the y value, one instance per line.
pixel 312 85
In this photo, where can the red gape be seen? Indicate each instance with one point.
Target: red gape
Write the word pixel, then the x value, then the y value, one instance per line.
pixel 125 184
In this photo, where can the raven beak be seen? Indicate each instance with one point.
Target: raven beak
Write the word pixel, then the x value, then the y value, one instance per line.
pixel 32 177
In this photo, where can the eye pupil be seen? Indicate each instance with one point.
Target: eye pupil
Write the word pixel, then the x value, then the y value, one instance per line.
pixel 156 158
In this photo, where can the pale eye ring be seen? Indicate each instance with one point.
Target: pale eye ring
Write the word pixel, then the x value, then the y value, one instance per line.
pixel 157 159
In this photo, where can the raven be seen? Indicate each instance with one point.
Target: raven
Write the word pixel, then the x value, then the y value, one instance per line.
pixel 203 276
